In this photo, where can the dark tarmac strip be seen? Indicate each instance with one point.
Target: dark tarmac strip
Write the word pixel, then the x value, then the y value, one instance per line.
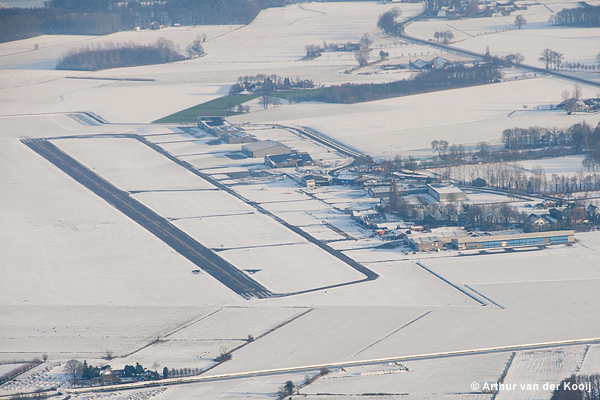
pixel 369 274
pixel 178 240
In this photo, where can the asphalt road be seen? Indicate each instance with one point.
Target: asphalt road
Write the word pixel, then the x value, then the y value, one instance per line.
pixel 178 240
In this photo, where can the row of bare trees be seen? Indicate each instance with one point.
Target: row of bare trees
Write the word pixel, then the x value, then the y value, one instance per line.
pixel 23 367
pixel 513 176
pixel 444 36
pixel 424 82
pixel 587 16
pixel 552 58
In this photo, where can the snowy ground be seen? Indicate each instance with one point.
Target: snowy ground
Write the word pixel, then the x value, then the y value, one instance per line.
pixel 81 279
pixel 576 44
pixel 407 125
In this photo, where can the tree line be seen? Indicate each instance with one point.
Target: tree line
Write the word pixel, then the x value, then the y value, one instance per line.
pixel 586 16
pixel 495 216
pixel 424 82
pixel 580 135
pixel 111 55
pixel 265 84
pixel 24 367
pixel 578 387
pixel 513 177
pixel 101 17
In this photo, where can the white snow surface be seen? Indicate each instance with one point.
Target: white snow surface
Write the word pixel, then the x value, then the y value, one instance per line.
pixel 80 278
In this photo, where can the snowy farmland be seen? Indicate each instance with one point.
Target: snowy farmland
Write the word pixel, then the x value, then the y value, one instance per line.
pixel 503 38
pixel 82 280
pixel 389 127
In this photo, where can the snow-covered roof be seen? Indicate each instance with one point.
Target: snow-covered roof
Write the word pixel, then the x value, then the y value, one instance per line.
pixel 267 144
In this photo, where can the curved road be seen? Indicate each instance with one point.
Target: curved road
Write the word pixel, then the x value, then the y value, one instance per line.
pixel 477 56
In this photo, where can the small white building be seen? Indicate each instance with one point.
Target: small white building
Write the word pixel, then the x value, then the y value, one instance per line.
pixel 445 192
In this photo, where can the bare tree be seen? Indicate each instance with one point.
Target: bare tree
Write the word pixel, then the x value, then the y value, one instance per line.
pixel 362 57
pixel 366 41
pixel 441 146
pixel 195 48
pixel 516 58
pixel 73 369
pixel 577 92
pixel 547 57
pixel 520 21
pixel 483 148
pixel 446 36
pixel 264 101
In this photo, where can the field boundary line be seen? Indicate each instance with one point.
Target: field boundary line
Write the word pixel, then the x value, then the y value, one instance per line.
pixel 451 284
pixel 317 367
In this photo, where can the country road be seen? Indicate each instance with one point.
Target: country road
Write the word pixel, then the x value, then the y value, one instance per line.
pixel 477 56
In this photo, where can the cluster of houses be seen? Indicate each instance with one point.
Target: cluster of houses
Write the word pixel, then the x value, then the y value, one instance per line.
pixel 580 106
pixel 419 65
pixel 433 233
pixel 501 8
pixel 109 376
pixel 577 215
pixel 332 47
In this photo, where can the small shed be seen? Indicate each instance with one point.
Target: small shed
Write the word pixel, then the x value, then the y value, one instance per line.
pixel 479 182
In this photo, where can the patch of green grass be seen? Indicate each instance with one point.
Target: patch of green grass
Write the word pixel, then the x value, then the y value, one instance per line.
pixel 216 107
pixel 219 107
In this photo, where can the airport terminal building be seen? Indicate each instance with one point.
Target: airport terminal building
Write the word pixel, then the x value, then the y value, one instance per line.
pixel 516 240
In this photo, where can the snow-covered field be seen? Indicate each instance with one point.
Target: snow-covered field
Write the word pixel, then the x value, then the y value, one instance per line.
pixel 407 125
pixel 438 378
pixel 538 369
pixel 87 331
pixel 81 279
pixel 567 166
pixel 576 44
pixel 131 165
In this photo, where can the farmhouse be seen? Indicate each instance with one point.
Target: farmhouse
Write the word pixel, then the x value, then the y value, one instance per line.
pixel 538 222
pixel 265 148
pixel 445 192
pixel 592 212
pixel 580 106
pixel 515 240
